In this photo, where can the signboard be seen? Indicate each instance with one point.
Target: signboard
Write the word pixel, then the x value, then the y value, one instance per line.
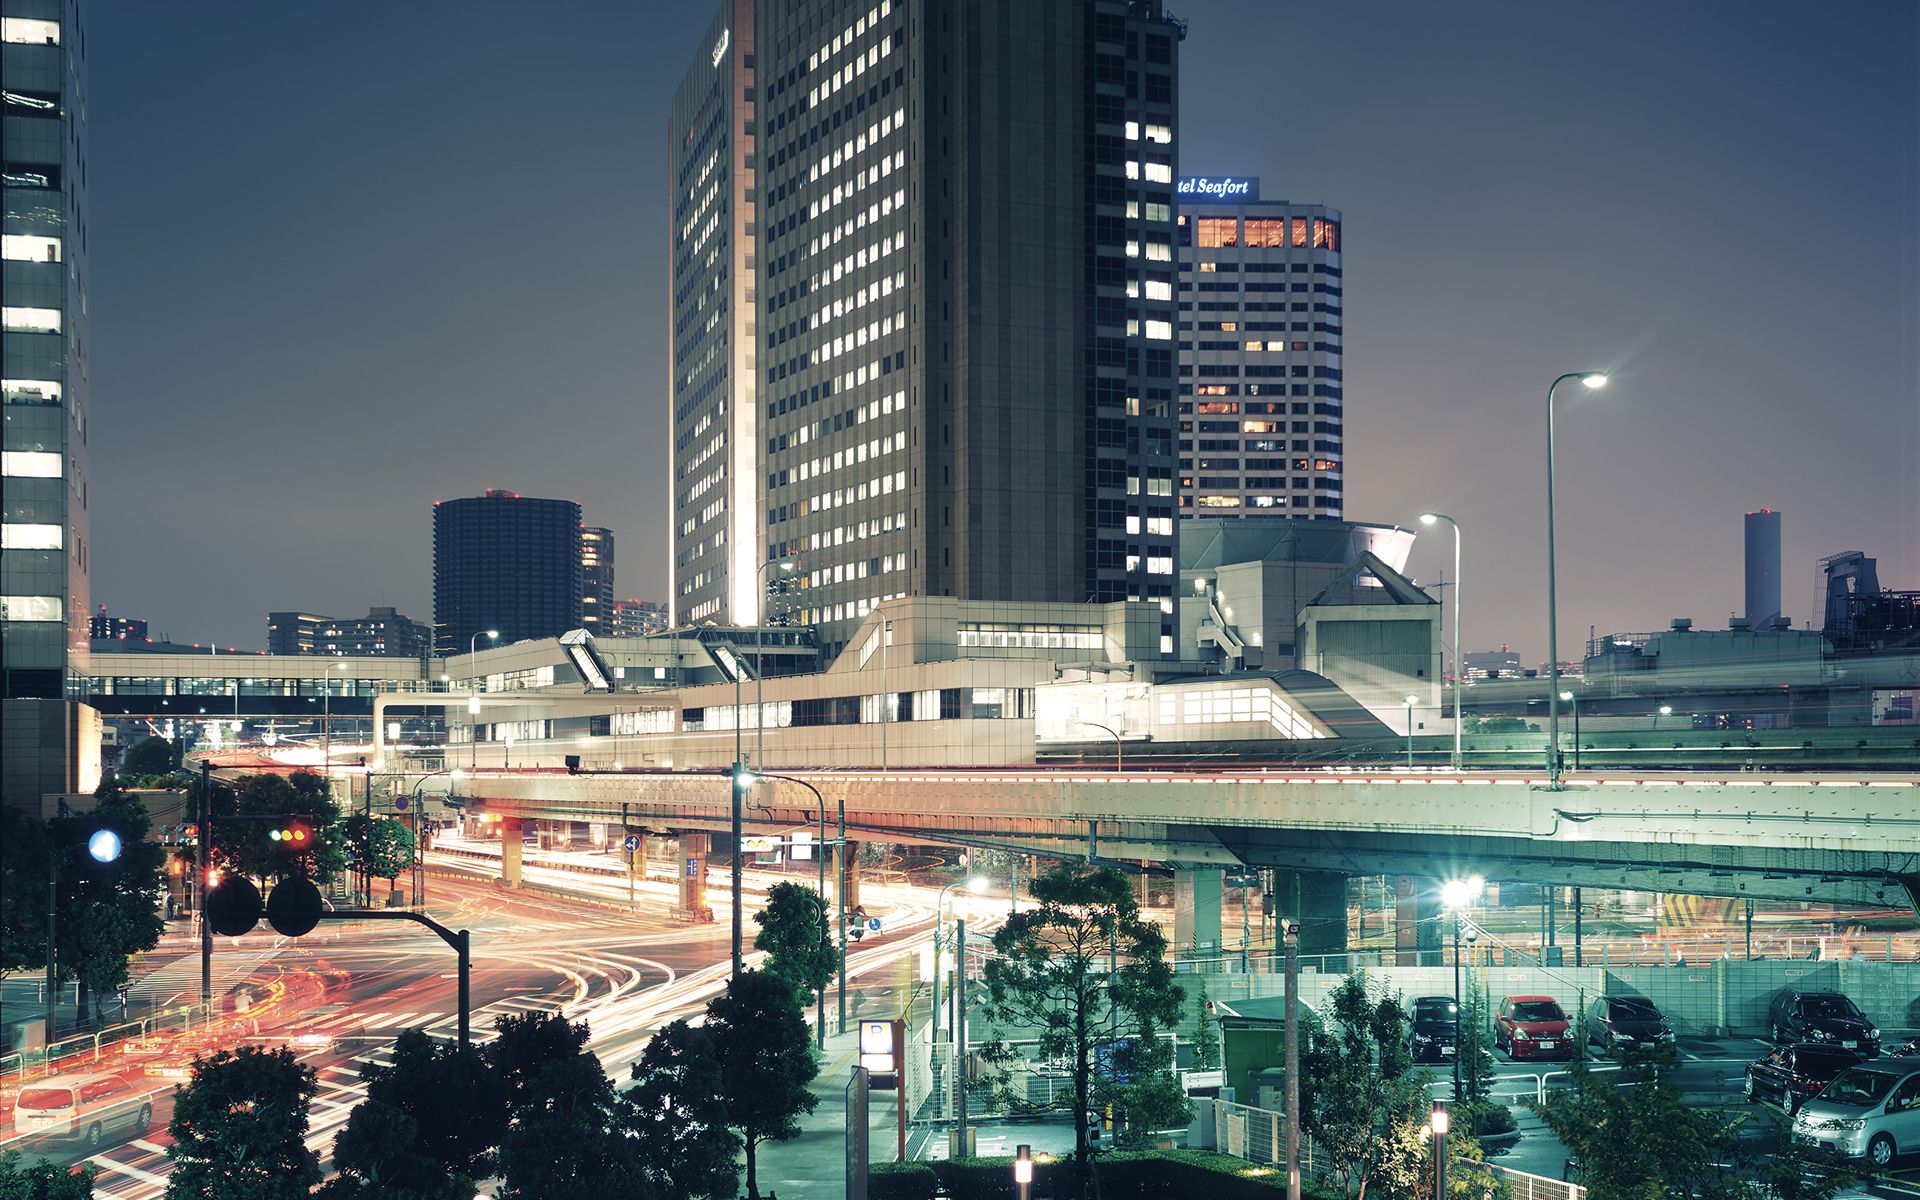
pixel 1224 189
pixel 759 845
pixel 693 867
pixel 857 1136
pixel 801 845
pixel 873 924
pixel 876 1048
pixel 632 842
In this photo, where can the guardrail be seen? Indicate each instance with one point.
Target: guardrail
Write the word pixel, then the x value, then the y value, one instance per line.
pixel 88 1047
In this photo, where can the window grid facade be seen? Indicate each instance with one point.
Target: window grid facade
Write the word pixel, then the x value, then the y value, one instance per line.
pixel 1261 406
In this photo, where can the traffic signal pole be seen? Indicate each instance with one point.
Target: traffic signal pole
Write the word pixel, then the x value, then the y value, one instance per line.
pixel 203 858
pixel 459 939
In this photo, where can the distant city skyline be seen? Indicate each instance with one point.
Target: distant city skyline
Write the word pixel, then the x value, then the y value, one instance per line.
pixel 1724 217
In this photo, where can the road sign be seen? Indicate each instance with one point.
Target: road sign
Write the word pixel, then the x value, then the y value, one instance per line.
pixel 632 841
pixel 693 867
pixel 759 845
pixel 873 924
pixel 400 803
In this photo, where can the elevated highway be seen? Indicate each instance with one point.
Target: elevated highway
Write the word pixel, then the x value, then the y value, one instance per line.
pixel 1834 838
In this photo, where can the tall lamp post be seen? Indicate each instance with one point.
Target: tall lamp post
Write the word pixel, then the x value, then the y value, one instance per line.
pixel 820 997
pixel 103 846
pixel 1456 895
pixel 473 692
pixel 1411 701
pixel 1593 381
pixel 973 883
pixel 1440 1122
pixel 1119 747
pixel 1459 664
pixel 1574 702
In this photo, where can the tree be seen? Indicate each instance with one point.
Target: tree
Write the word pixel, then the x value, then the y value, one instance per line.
pixel 247 847
pixel 44 1180
pixel 1051 975
pixel 1358 1086
pixel 107 912
pixel 1479 1112
pixel 239 1129
pixel 1634 1135
pixel 428 1127
pixel 766 1061
pixel 1204 1034
pixel 378 846
pixel 565 1135
pixel 678 1116
pixel 149 757
pixel 23 891
pixel 798 938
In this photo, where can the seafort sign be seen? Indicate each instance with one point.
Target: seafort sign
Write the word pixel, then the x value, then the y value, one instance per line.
pixel 1229 187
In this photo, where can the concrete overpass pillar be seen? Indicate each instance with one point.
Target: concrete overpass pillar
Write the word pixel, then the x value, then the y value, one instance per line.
pixel 1416 921
pixel 512 830
pixel 693 875
pixel 1318 900
pixel 638 867
pixel 1141 891
pixel 1196 909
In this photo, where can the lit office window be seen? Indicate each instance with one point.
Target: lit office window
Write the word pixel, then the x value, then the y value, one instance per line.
pixel 1300 232
pixel 27 31
pixel 30 608
pixel 31 537
pixel 30 464
pixel 31 391
pixel 30 320
pixel 1267 232
pixel 23 247
pixel 1218 231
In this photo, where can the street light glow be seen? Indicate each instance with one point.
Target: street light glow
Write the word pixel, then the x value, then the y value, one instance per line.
pixel 104 846
pixel 1595 381
pixel 1566 695
pixel 1458 893
pixel 977 883
pixel 1428 518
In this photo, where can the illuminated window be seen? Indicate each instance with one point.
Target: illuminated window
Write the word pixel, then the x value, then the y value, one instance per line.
pixel 1159 252
pixel 1216 232
pixel 1260 427
pixel 1219 502
pixel 1160 331
pixel 30 320
pixel 31 391
pixel 29 464
pixel 1229 326
pixel 1159 290
pixel 28 31
pixel 1326 234
pixel 31 537
pixel 1160 133
pixel 1267 232
pixel 1218 407
pixel 1300 232
pixel 1159 172
pixel 1207 268
pixel 1255 345
pixel 1133 131
pixel 30 608
pixel 20 247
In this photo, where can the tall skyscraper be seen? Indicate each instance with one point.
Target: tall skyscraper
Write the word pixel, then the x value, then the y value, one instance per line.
pixel 717 531
pixel 1260 328
pixel 966 294
pixel 596 578
pixel 505 562
pixel 50 743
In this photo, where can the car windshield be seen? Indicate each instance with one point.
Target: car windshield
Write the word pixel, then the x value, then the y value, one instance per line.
pixel 1635 1010
pixel 1830 1006
pixel 1433 1010
pixel 1823 1062
pixel 1859 1086
pixel 1538 1010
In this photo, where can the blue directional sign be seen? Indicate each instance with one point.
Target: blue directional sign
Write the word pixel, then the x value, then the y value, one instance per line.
pixel 633 841
pixel 400 803
pixel 873 923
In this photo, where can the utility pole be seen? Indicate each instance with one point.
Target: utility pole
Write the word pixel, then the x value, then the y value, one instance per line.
pixel 960 1034
pixel 203 859
pixel 1290 938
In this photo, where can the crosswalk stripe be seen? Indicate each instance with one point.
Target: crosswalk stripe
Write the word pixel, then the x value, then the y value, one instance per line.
pixel 123 1169
pixel 149 1147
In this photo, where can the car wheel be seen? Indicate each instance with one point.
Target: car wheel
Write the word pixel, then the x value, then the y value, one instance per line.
pixel 145 1121
pixel 1753 1096
pixel 1791 1103
pixel 94 1137
pixel 1880 1150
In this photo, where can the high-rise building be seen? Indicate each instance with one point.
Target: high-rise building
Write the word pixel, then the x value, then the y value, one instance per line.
pixel 965 286
pixel 507 563
pixel 50 742
pixel 717 533
pixel 105 628
pixel 636 618
pixel 382 633
pixel 1763 568
pixel 1260 328
pixel 596 578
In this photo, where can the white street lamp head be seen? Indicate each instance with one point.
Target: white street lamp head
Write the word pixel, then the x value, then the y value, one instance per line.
pixel 1428 518
pixel 1412 700
pixel 977 883
pixel 1666 710
pixel 494 633
pixel 1566 695
pixel 1595 381
pixel 104 845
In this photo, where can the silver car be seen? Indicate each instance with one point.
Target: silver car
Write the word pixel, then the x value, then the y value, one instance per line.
pixel 1871 1111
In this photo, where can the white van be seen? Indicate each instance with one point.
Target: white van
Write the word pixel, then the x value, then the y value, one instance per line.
pixel 88 1107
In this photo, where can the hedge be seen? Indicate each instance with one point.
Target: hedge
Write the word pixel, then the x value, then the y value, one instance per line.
pixel 1124 1175
pixel 900 1181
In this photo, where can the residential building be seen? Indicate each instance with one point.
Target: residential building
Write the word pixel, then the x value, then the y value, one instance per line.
pixel 715 430
pixel 966 302
pixel 1260 374
pixel 382 633
pixel 596 578
pixel 636 618
pixel 505 563
pixel 50 742
pixel 102 627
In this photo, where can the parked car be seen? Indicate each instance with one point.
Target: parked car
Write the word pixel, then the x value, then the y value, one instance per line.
pixel 1617 1021
pixel 88 1107
pixel 1532 1027
pixel 1435 1034
pixel 1871 1111
pixel 1789 1075
pixel 1825 1017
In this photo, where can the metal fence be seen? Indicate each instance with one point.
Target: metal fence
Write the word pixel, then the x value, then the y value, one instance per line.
pixel 80 1048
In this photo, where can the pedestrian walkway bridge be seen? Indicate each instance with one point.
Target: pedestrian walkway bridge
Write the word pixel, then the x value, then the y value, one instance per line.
pixel 1847 839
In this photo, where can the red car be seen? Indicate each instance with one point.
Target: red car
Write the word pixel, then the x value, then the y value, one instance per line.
pixel 1532 1027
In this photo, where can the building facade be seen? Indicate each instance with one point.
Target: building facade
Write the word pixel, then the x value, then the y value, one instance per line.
pixel 717 534
pixel 635 618
pixel 596 578
pixel 50 742
pixel 104 627
pixel 382 633
pixel 505 563
pixel 1260 329
pixel 966 254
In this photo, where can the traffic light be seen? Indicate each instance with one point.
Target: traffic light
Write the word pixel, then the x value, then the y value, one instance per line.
pixel 295 834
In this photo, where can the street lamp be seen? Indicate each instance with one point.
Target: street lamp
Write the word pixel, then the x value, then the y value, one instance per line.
pixel 820 997
pixel 1118 747
pixel 1023 1171
pixel 1666 710
pixel 973 883
pixel 1592 381
pixel 1411 701
pixel 1440 1122
pixel 473 691
pixel 103 846
pixel 1574 702
pixel 1459 664
pixel 1455 896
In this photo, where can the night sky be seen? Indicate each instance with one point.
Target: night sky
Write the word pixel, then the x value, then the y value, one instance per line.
pixel 348 259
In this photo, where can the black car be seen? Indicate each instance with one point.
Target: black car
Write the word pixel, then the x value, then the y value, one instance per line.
pixel 1825 1018
pixel 1435 1032
pixel 1617 1021
pixel 1790 1075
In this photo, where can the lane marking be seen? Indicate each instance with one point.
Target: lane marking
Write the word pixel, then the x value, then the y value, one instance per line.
pixel 123 1169
pixel 148 1146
